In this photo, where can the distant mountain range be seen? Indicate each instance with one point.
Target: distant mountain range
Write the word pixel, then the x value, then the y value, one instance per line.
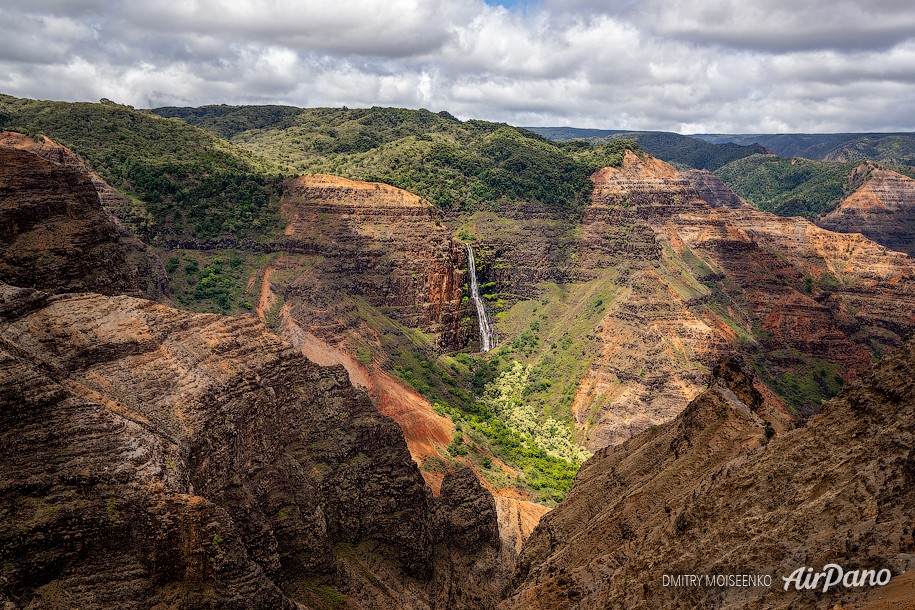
pixel 890 148
pixel 683 151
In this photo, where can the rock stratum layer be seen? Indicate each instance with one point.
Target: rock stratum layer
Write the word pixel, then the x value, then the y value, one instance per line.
pixel 384 244
pixel 153 456
pixel 710 493
pixel 58 221
pixel 883 209
pixel 159 457
pixel 695 282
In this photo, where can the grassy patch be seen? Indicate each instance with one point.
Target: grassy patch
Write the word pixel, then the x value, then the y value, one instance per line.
pixel 215 280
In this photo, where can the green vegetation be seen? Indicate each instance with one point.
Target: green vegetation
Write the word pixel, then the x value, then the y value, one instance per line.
pixel 789 187
pixel 323 596
pixel 451 163
pixel 683 151
pixel 182 180
pixel 213 281
pixel 554 335
pixel 805 385
pixel 482 431
pixel 895 149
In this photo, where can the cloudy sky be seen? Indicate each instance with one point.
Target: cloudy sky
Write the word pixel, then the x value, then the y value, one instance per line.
pixel 679 65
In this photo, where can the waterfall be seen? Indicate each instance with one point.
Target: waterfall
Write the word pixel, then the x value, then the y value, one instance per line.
pixel 487 337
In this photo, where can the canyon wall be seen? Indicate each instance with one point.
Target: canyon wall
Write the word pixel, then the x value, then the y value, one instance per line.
pixel 882 208
pixel 728 488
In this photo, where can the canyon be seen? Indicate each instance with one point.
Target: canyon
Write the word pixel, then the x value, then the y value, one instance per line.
pixel 731 487
pixel 161 457
pixel 341 440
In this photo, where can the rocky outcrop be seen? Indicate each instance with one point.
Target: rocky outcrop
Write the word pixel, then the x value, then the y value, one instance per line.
pixel 883 209
pixel 53 228
pixel 59 219
pixel 153 456
pixel 697 282
pixel 713 189
pixel 719 490
pixel 384 244
pixel 470 563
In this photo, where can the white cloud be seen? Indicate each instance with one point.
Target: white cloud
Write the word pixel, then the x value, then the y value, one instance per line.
pixel 691 65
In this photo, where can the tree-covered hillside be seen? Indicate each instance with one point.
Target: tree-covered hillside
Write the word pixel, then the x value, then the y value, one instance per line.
pixel 674 148
pixel 789 187
pixel 887 148
pixel 184 180
pixel 451 163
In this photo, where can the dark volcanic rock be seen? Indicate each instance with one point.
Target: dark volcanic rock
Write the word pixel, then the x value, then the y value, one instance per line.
pixel 466 513
pixel 155 456
pixel 54 232
pixel 59 231
pixel 713 189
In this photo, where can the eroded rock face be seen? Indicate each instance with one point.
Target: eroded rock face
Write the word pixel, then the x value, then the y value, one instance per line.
pixel 58 223
pixel 52 228
pixel 699 282
pixel 883 209
pixel 156 456
pixel 466 512
pixel 518 245
pixel 707 493
pixel 382 243
pixel 713 190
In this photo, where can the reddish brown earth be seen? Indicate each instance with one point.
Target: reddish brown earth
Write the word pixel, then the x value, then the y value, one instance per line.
pixel 883 209
pixel 699 282
pixel 382 243
pixel 707 493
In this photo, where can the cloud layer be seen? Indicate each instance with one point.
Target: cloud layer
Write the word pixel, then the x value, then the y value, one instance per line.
pixel 688 66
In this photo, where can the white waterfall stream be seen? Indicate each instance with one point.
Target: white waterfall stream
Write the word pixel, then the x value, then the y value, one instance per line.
pixel 487 336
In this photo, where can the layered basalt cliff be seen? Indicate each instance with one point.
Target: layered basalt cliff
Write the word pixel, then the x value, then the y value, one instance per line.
pixel 59 215
pixel 518 245
pixel 713 189
pixel 52 224
pixel 883 209
pixel 242 437
pixel 724 489
pixel 700 281
pixel 163 457
pixel 160 457
pixel 384 244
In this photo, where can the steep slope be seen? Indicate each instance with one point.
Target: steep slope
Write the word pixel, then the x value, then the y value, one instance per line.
pixel 52 223
pixel 709 493
pixel 807 306
pixel 883 209
pixel 789 186
pixel 182 181
pixel 712 189
pixel 157 456
pixel 383 243
pixel 55 220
